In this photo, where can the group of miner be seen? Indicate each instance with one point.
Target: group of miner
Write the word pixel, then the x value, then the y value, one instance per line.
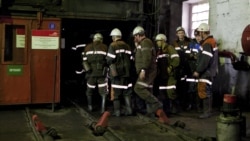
pixel 166 77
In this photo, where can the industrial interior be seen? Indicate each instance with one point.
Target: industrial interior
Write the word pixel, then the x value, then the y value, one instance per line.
pixel 42 72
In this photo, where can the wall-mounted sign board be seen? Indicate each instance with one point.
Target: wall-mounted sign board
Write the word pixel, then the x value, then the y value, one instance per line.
pixel 45 39
pixel 20 38
pixel 15 69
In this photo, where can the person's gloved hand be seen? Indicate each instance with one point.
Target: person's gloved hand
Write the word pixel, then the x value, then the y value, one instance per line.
pixel 142 74
pixel 169 69
pixel 195 74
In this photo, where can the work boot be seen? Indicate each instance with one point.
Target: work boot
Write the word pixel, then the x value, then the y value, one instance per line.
pixel 89 99
pixel 162 116
pixel 127 99
pixel 117 111
pixel 207 108
pixel 103 103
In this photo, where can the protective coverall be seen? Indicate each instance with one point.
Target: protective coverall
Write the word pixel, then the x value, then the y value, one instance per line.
pixel 119 58
pixel 94 63
pixel 167 61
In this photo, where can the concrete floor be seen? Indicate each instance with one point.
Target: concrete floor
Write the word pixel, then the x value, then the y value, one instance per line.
pixel 71 125
pixel 207 127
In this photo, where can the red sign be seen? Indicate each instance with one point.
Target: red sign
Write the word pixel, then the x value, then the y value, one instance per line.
pixel 52 33
pixel 45 39
pixel 20 31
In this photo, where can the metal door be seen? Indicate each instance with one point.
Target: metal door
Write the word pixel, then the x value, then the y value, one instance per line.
pixel 30 60
pixel 14 68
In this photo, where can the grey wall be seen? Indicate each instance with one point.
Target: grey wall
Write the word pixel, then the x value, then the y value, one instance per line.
pixel 228 18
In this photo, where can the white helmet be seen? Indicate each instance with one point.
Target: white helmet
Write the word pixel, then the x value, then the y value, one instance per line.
pixel 115 32
pixel 160 37
pixel 98 37
pixel 203 27
pixel 138 30
pixel 180 29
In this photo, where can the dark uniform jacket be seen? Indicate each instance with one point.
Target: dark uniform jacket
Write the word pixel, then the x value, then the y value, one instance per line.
pixel 182 48
pixel 207 64
pixel 145 57
pixel 119 54
pixel 167 57
pixel 95 56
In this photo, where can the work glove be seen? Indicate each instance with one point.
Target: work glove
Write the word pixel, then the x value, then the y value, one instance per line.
pixel 195 74
pixel 142 74
pixel 193 56
pixel 169 69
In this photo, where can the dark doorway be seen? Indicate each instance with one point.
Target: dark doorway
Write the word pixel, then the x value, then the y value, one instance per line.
pixel 80 31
